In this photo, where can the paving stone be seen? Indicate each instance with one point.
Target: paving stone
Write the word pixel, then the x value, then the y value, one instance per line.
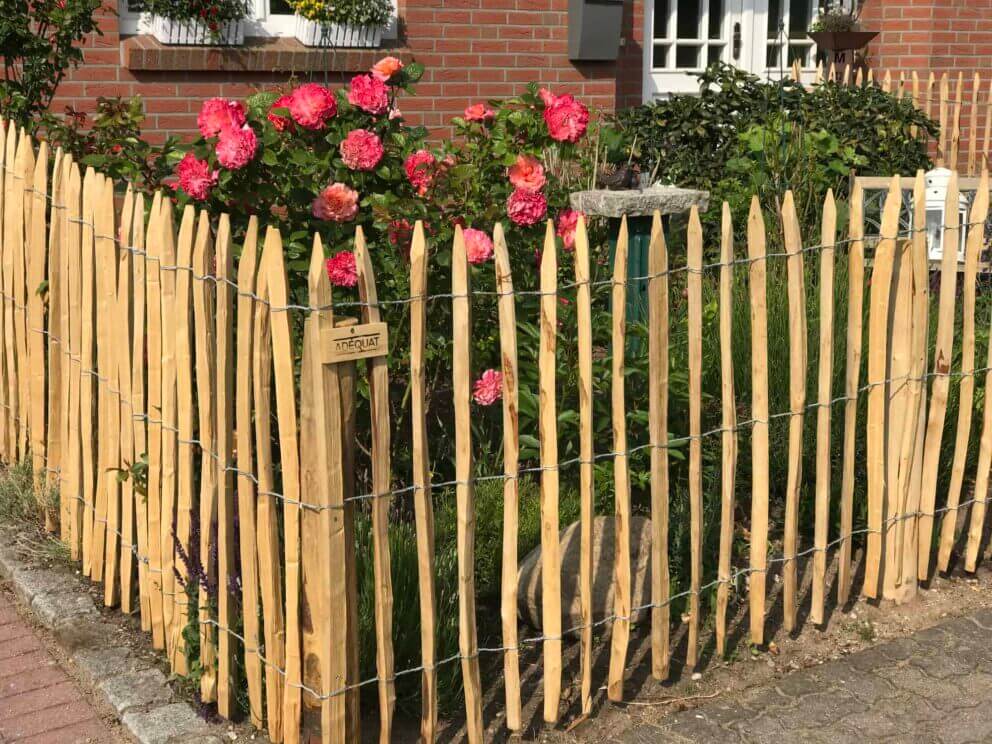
pixel 163 724
pixel 133 690
pixel 54 607
pixel 97 664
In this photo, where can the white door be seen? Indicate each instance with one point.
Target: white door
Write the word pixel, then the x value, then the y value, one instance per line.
pixel 683 37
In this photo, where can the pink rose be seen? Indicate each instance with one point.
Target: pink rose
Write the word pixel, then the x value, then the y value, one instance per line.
pixel 488 388
pixel 567 223
pixel 385 68
pixel 281 123
pixel 479 112
pixel 420 170
pixel 341 269
pixel 566 118
pixel 400 234
pixel 361 150
pixel 527 173
pixel 195 176
pixel 526 207
pixel 311 105
pixel 236 147
pixel 369 94
pixel 218 114
pixel 478 246
pixel 336 203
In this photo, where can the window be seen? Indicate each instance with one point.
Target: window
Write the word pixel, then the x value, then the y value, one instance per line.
pixel 689 34
pixel 267 18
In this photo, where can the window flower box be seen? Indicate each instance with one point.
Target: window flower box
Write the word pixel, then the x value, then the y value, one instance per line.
pixel 174 32
pixel 316 34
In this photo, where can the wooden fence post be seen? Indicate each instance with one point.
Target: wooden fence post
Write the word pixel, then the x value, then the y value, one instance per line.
pixel 694 289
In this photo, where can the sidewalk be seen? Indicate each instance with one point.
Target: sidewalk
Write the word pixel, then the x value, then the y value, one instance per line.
pixel 933 686
pixel 39 703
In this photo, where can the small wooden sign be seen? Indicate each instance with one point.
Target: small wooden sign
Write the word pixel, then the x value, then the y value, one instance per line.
pixel 347 343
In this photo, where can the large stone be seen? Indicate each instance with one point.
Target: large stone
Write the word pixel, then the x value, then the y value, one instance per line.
pixel 164 724
pixel 603 550
pixel 639 202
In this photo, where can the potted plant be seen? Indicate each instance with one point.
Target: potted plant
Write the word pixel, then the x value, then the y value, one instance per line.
pixel 838 30
pixel 198 22
pixel 341 23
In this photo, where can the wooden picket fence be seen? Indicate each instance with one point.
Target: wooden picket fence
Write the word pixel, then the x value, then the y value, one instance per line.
pixel 125 340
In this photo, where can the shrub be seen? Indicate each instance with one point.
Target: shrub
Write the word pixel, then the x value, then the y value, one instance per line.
pixel 210 12
pixel 373 13
pixel 39 42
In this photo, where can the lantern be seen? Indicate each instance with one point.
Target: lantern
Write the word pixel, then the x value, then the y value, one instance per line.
pixel 936 203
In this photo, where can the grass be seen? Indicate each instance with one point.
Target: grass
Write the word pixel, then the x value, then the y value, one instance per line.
pixel 21 508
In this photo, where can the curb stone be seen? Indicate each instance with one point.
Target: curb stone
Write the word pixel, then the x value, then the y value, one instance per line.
pixel 134 688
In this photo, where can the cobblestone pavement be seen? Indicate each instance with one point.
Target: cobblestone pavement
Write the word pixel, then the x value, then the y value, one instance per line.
pixel 933 686
pixel 39 703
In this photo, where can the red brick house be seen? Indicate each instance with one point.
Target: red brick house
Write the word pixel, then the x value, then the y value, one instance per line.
pixel 478 49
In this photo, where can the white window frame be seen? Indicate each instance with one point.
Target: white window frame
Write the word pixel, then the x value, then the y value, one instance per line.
pixel 261 23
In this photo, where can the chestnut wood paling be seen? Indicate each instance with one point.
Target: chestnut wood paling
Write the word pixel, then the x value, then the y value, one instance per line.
pixel 899 402
pixel 423 502
pixel 939 389
pixel 694 289
pixel 978 509
pixel 73 454
pixel 36 258
pixel 273 263
pixel 511 467
pixel 227 603
pixel 976 83
pixel 125 455
pixel 728 423
pixel 878 354
pixel 138 409
pixel 461 370
pixel 658 322
pixel 828 237
pixel 153 354
pixel 205 344
pixel 966 387
pixel 87 382
pixel 956 123
pixel 910 481
pixel 332 616
pixel 987 139
pixel 269 563
pixel 945 134
pixel 548 423
pixel 185 583
pixel 25 173
pixel 56 343
pixel 621 474
pixel 12 213
pixel 757 271
pixel 168 523
pixel 378 370
pixel 247 520
pixel 852 378
pixel 797 406
pixel 587 505
pixel 110 491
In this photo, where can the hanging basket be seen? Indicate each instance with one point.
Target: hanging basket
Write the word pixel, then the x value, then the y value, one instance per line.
pixel 314 34
pixel 194 33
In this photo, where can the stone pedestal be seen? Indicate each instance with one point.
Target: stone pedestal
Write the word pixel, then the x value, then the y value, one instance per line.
pixel 639 202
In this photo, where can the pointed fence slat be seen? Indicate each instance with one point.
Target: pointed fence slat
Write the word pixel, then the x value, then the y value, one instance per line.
pixel 658 322
pixel 548 422
pixel 797 406
pixel 511 467
pixel 461 371
pixel 247 519
pixel 828 237
pixel 125 456
pixel 621 473
pixel 852 378
pixel 759 414
pixel 694 289
pixel 36 259
pixel 86 365
pixel 940 387
pixel 878 352
pixel 55 342
pixel 728 424
pixel 138 410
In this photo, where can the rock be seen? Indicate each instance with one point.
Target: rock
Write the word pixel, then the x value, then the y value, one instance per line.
pixel 165 724
pixel 639 202
pixel 603 536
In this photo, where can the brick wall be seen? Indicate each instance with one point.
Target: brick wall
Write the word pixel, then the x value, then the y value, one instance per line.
pixel 936 36
pixel 472 49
